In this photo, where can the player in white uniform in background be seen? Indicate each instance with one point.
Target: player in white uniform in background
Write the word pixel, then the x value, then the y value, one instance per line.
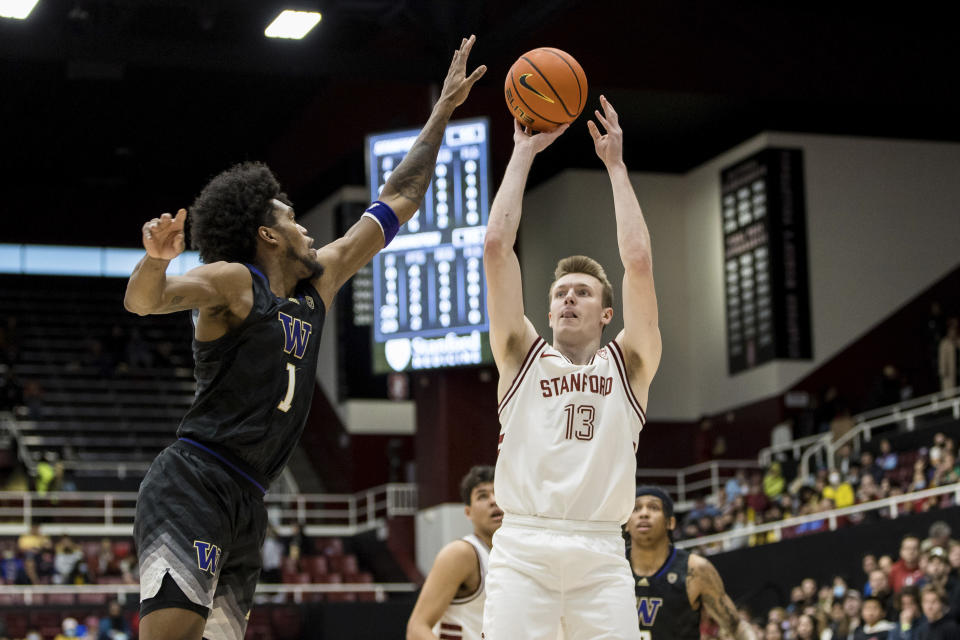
pixel 450 605
pixel 570 416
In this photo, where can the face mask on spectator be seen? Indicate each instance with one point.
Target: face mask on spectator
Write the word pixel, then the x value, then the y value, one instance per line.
pixel 838 591
pixel 834 478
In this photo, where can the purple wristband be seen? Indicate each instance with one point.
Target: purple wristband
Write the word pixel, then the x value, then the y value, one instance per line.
pixel 383 215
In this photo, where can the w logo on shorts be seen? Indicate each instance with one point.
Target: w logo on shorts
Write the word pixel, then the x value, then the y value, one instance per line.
pixel 208 556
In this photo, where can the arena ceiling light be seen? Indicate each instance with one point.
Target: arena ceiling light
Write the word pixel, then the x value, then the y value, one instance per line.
pixel 18 9
pixel 292 25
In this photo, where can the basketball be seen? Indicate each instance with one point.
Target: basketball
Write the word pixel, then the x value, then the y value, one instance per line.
pixel 545 88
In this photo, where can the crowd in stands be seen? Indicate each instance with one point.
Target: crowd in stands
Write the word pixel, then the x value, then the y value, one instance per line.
pixel 915 597
pixel 771 497
pixel 35 559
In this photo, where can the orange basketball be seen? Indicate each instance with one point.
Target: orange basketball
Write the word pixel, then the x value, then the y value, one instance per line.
pixel 545 88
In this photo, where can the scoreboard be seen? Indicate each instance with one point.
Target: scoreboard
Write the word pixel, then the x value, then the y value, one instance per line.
pixel 765 259
pixel 429 294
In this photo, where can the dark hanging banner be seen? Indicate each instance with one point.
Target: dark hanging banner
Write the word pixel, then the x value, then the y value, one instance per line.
pixel 765 259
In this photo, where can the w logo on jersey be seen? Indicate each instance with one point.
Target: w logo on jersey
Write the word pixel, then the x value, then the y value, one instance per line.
pixel 647 610
pixel 296 334
pixel 208 556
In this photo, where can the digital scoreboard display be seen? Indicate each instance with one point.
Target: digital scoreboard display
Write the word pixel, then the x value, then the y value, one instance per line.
pixel 429 293
pixel 765 259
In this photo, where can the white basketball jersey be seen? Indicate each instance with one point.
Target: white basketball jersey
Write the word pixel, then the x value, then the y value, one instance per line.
pixel 568 438
pixel 463 619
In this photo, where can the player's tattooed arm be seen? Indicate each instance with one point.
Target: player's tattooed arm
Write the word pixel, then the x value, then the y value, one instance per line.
pixel 704 581
pixel 408 183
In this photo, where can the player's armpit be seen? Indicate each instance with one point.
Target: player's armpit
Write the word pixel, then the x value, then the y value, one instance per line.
pixel 704 582
pixel 452 567
pixel 342 258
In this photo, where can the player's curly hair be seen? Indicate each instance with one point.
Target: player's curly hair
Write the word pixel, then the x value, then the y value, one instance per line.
pixel 226 215
pixel 477 475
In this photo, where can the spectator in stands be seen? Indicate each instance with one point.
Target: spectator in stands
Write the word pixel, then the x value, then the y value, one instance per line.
pixel 107 563
pixel 808 588
pixel 45 473
pixel 888 458
pixel 736 486
pixel 936 571
pixel 953 554
pixel 114 625
pixel 875 625
pixel 773 482
pixel 44 567
pixel 937 626
pixel 947 471
pixel 33 541
pixel 756 499
pixel 12 569
pixel 67 556
pixel 852 602
pixel 880 589
pixel 299 545
pixel 771 632
pixel 702 509
pixel 129 569
pixel 906 571
pixel 868 563
pixel 70 629
pixel 839 490
pixel 272 554
pixel 909 615
pixel 869 467
pixel 868 490
pixel 947 359
pixel 808 628
pixel 841 424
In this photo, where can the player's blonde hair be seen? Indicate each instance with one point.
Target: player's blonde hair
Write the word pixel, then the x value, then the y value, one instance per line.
pixel 589 266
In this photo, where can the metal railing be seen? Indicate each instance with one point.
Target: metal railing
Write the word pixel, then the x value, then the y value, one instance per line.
pixel 831 518
pixel 90 513
pixel 37 594
pixel 906 412
pixel 694 481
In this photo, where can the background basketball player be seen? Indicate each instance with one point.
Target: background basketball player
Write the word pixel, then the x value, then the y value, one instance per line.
pixel 261 299
pixel 571 414
pixel 674 587
pixel 451 601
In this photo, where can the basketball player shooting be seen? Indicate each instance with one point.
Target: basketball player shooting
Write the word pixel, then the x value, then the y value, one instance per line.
pixel 570 414
pixel 261 299
pixel 674 587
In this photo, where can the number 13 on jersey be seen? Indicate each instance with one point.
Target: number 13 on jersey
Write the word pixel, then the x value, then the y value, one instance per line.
pixel 579 421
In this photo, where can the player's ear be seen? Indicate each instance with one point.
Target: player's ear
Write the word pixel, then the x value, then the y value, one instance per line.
pixel 606 315
pixel 466 511
pixel 672 523
pixel 267 234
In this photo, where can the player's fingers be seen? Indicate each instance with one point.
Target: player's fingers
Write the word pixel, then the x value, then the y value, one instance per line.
pixel 608 109
pixel 180 218
pixel 180 243
pixel 467 44
pixel 594 132
pixel 602 120
pixel 477 74
pixel 166 217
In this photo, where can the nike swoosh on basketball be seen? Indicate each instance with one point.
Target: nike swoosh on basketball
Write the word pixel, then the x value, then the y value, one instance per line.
pixel 526 85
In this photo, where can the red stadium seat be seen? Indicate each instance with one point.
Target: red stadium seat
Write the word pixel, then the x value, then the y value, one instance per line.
pixel 316 566
pixel 287 622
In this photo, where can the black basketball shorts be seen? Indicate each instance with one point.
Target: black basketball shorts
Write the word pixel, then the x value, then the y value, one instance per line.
pixel 202 524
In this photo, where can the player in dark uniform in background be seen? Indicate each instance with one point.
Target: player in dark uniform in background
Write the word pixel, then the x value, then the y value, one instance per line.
pixel 260 299
pixel 673 586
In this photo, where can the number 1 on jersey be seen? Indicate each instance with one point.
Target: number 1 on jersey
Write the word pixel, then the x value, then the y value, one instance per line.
pixel 287 401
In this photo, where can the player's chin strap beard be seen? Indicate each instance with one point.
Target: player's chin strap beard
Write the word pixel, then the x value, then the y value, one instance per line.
pixel 314 267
